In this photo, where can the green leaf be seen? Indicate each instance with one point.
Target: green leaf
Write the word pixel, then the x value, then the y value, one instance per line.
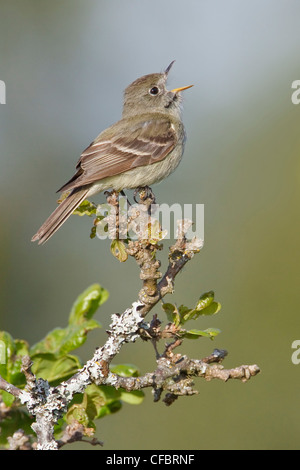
pixel 204 306
pixel 86 208
pixel 132 398
pixel 12 352
pixel 109 393
pixel 77 413
pixel 97 402
pixel 11 362
pixel 7 351
pixel 61 341
pixel 3 352
pixel 205 300
pixel 94 402
pixel 102 400
pixel 212 332
pixel 53 368
pixel 87 303
pixel 110 408
pixel 195 334
pixel 50 344
pixel 7 398
pixel 118 249
pixel 16 377
pixel 212 309
pixel 75 336
pixel 125 370
pixel 185 313
pixel 172 313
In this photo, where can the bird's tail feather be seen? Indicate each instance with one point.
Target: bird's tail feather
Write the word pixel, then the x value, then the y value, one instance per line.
pixel 60 215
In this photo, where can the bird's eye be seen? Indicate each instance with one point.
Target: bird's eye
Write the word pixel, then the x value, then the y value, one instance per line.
pixel 154 91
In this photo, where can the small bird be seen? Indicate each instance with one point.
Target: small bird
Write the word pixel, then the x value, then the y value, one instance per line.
pixel 141 149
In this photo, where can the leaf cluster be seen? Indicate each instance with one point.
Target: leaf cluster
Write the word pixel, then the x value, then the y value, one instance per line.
pixel 205 306
pixel 54 360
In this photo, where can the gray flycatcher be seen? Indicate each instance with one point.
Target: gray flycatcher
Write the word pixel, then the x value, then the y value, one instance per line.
pixel 143 148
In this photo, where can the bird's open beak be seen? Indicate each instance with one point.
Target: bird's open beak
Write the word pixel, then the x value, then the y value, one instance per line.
pixel 177 90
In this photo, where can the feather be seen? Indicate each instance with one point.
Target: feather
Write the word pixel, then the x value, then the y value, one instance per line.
pixel 60 215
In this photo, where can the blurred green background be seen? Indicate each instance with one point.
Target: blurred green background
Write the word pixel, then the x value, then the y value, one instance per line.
pixel 65 64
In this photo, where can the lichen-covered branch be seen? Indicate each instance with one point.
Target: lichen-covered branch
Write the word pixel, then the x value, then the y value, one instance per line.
pixel 174 373
pixel 145 254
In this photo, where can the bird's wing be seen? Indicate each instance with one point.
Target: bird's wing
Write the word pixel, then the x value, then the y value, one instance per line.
pixel 147 142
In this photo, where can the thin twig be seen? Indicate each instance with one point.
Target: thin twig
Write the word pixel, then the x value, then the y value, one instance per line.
pixel 4 385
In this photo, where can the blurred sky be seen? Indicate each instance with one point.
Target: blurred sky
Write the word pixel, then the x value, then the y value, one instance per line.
pixel 65 64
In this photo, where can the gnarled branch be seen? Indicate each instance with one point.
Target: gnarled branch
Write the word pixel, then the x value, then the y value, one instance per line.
pixel 174 372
